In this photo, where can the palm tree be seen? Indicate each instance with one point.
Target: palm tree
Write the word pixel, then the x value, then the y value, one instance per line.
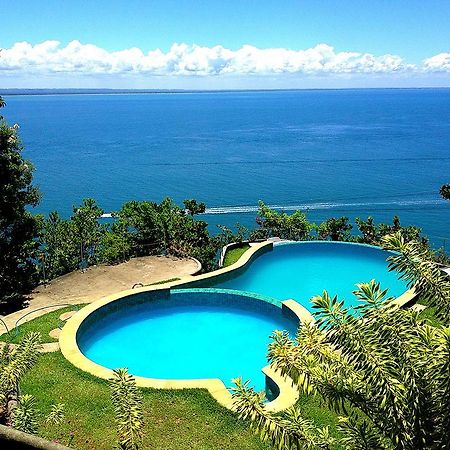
pixel 373 366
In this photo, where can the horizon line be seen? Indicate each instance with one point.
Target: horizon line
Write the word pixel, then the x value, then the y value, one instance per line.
pixel 118 91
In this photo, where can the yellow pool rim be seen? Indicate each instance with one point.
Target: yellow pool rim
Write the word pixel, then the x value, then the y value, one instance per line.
pixel 288 392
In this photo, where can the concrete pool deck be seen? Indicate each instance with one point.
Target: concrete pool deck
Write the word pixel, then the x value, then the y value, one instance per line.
pixel 98 281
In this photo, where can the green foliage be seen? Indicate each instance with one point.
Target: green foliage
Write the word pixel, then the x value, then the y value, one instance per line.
pixel 445 191
pixel 127 403
pixel 88 231
pixel 335 228
pixel 18 227
pixel 371 233
pixel 372 365
pixel 14 364
pixel 68 244
pixel 59 249
pixel 154 228
pixel 25 414
pixel 56 415
pixel 286 431
pixel 272 223
pixel 194 207
pixel 415 267
pixel 114 247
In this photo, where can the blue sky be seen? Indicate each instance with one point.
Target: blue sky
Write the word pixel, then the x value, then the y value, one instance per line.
pixel 412 30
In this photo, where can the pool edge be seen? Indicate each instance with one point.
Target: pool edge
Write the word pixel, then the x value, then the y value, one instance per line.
pixel 69 347
pixel 288 393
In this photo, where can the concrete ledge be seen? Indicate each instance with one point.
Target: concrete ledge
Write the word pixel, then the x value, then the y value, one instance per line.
pixel 406 299
pixel 11 439
pixel 292 307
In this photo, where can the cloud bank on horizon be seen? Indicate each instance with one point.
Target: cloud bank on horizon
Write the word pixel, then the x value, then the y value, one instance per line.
pixel 182 60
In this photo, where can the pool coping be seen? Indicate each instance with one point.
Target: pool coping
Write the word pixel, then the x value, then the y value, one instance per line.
pixel 288 392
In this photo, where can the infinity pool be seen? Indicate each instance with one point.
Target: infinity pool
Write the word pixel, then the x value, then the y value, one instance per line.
pixel 223 332
pixel 188 334
pixel 302 270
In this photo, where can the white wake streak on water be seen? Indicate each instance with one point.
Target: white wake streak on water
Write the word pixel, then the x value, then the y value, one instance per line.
pixel 319 206
pixel 316 206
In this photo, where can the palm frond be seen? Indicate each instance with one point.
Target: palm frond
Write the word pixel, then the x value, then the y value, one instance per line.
pixel 25 415
pixel 56 414
pixel 127 402
pixel 286 431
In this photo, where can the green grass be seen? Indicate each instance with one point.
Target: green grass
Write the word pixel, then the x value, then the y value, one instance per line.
pixel 43 324
pixel 189 419
pixel 175 420
pixel 231 256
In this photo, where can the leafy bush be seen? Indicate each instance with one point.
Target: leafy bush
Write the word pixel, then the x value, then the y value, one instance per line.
pixel 372 367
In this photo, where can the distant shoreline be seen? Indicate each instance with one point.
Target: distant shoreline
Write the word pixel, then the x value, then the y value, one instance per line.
pixel 87 91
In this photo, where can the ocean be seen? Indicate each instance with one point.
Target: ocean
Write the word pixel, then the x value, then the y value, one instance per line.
pixel 379 152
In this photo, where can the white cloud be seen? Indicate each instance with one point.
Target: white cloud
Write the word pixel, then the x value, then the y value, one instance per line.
pixel 50 57
pixel 438 63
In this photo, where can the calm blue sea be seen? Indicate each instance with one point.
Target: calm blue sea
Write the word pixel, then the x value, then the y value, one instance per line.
pixel 344 152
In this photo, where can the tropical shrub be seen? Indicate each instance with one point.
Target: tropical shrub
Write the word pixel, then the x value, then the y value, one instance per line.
pixel 271 223
pixel 127 403
pixel 372 233
pixel 14 364
pixel 88 231
pixel 374 370
pixel 372 365
pixel 335 228
pixel 19 410
pixel 153 228
pixel 414 265
pixel 59 250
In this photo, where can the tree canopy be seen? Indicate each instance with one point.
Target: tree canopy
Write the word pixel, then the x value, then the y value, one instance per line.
pixel 18 226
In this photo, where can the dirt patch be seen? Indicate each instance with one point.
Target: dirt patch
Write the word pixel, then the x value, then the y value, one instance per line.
pixel 100 281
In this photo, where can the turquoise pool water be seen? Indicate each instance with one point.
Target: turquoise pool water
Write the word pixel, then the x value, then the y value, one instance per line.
pixel 302 270
pixel 223 332
pixel 185 335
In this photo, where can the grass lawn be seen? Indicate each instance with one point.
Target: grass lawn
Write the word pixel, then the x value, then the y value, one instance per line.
pixel 231 256
pixel 175 420
pixel 43 324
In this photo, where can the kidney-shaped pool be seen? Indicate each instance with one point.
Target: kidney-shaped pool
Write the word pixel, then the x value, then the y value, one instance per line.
pixel 185 334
